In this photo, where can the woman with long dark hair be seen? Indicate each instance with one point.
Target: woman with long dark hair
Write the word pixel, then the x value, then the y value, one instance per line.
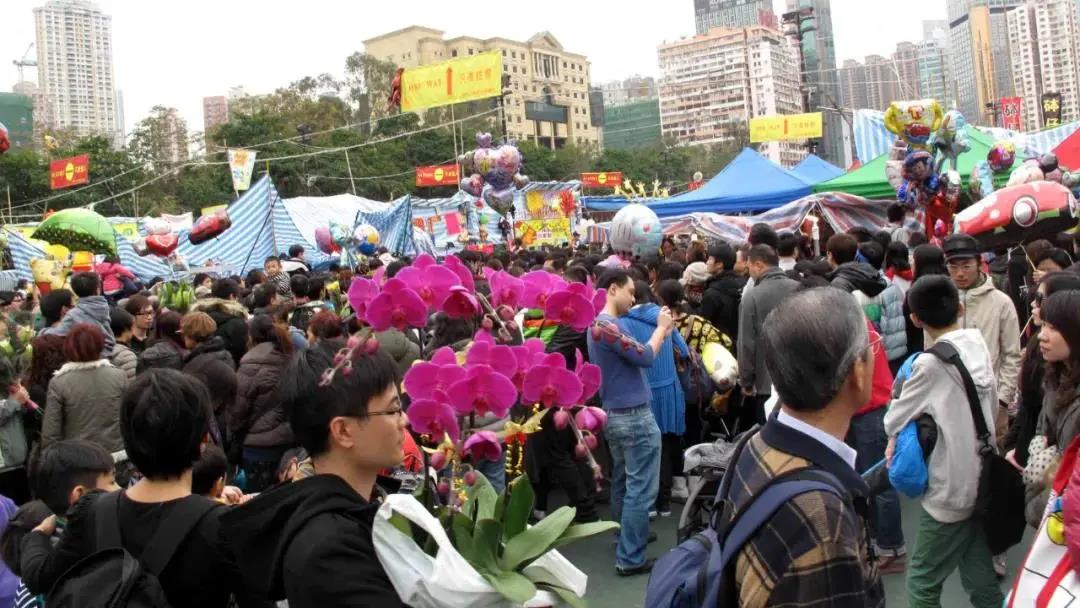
pixel 257 419
pixel 167 348
pixel 1031 373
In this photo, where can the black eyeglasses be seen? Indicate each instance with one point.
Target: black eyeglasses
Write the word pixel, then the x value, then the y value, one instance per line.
pixel 394 412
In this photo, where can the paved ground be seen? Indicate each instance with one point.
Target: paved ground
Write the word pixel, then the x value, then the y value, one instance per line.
pixel 606 590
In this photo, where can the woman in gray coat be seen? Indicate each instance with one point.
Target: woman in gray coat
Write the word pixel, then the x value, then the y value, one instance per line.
pixel 84 395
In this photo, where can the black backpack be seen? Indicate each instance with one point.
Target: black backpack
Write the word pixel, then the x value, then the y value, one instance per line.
pixel 1000 499
pixel 112 577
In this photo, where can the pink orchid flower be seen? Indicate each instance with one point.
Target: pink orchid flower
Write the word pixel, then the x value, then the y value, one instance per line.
pixel 599 300
pixel 551 385
pixel 462 271
pixel 506 290
pixel 590 377
pixel 361 293
pixel 427 378
pixel 429 280
pixel 483 445
pixel 526 356
pixel 379 278
pixel 539 285
pixel 435 418
pixel 499 358
pixel 570 308
pixel 460 303
pixel 591 419
pixel 397 306
pixel 482 391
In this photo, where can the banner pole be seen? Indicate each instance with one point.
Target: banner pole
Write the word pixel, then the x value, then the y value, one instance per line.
pixel 348 164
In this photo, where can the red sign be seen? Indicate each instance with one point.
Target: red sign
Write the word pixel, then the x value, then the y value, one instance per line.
pixel 440 175
pixel 68 172
pixel 1010 113
pixel 608 179
pixel 695 185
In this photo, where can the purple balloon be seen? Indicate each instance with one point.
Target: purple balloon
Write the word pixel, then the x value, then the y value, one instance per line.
pixel 502 201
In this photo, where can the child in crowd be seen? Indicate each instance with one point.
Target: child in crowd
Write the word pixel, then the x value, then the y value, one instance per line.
pixel 277 276
pixel 208 475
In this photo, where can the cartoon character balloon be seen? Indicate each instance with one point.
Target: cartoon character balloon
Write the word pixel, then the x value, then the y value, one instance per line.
pixel 919 179
pixel 325 241
pixel 636 230
pixel 914 121
pixel 5 141
pixel 366 238
pixel 494 173
pixel 1001 156
pixel 950 140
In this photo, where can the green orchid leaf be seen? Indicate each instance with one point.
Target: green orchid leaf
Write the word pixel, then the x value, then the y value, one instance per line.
pixel 463 540
pixel 580 531
pixel 457 518
pixel 511 585
pixel 480 499
pixel 518 508
pixel 487 542
pixel 537 540
pixel 565 595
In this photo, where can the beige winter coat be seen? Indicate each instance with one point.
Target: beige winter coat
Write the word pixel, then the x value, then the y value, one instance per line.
pixel 994 315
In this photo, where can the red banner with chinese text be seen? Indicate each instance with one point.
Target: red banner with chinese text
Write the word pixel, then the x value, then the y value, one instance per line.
pixel 68 172
pixel 440 175
pixel 608 179
pixel 1010 113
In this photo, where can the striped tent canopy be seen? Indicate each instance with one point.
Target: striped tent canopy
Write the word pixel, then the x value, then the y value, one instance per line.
pixel 842 212
pixel 872 139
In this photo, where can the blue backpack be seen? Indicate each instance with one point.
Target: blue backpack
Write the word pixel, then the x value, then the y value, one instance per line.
pixel 700 571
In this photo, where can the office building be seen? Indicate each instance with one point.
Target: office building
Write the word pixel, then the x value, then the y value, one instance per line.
pixel 632 125
pixel 549 102
pixel 933 77
pixel 635 88
pixel 732 13
pixel 712 84
pixel 1044 39
pixel 979 56
pixel 821 78
pixel 75 68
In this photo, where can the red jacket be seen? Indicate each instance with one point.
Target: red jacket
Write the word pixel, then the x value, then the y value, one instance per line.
pixel 881 390
pixel 110 276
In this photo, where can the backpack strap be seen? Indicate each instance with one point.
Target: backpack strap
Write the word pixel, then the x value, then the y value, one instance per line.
pixel 173 530
pixel 947 353
pixel 107 521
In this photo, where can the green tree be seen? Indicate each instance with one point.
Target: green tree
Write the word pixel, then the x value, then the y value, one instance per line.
pixel 160 141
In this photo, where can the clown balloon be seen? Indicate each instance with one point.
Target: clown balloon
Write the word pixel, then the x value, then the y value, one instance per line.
pixel 636 230
pixel 914 121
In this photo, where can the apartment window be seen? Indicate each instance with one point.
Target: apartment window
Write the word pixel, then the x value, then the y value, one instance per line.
pixel 453 53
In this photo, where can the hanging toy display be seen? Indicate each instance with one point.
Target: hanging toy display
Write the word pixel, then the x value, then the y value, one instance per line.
pixel 494 173
pixel 636 230
pixel 366 239
pixel 950 140
pixel 209 226
pixel 324 241
pixel 919 180
pixel 914 121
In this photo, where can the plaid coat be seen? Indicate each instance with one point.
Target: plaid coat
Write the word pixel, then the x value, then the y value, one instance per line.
pixel 816 549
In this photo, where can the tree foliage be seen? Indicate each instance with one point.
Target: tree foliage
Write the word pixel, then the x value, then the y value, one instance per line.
pixel 303 128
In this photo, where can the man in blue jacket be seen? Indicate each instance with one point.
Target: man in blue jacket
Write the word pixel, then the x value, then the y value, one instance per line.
pixel 632 433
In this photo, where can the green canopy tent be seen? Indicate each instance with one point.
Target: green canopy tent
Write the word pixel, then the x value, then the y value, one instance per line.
pixel 869 180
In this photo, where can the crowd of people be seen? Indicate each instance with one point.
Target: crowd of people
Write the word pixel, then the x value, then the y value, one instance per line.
pixel 247 475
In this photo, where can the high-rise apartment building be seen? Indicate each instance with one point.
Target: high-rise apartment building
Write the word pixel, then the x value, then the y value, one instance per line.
pixel 905 63
pixel 933 71
pixel 732 13
pixel 550 88
pixel 712 84
pixel 635 88
pixel 174 137
pixel 215 111
pixel 821 79
pixel 979 56
pixel 853 85
pixel 1044 39
pixel 75 68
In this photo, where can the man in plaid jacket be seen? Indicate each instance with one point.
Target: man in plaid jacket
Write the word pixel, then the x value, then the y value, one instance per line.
pixel 816 549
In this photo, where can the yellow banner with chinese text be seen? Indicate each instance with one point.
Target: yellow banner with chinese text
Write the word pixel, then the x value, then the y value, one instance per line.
pixel 454 81
pixel 791 126
pixel 534 233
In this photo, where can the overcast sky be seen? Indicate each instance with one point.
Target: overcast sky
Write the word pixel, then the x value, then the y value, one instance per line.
pixel 175 53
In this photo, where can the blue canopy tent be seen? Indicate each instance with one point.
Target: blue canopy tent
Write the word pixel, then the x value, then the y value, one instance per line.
pixel 814 170
pixel 750 182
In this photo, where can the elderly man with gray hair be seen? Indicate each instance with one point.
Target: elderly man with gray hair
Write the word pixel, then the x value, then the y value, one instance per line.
pixel 816 547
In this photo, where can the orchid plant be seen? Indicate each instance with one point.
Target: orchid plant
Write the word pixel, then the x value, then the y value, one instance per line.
pixel 449 390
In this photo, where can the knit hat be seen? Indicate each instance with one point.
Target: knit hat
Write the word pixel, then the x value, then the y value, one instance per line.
pixel 695 274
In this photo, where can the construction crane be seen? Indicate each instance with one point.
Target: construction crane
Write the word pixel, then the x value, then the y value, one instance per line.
pixel 24 62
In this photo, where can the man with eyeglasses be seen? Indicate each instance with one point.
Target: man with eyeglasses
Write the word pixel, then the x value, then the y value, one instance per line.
pixel 140 307
pixel 310 541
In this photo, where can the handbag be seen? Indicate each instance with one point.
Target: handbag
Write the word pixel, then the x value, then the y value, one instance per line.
pixel 697 387
pixel 999 503
pixel 1047 577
